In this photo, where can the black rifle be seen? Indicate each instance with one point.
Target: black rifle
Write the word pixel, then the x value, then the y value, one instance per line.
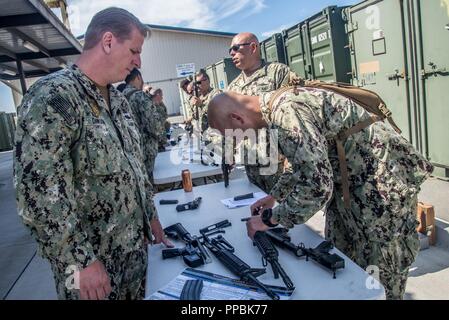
pixel 189 128
pixel 223 250
pixel 193 254
pixel 271 255
pixel 196 94
pixel 226 168
pixel 320 253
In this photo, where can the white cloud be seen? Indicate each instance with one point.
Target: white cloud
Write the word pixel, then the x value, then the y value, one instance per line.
pixel 267 34
pixel 201 14
pixel 227 8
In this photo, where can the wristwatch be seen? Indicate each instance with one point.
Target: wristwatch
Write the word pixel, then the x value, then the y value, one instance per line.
pixel 266 217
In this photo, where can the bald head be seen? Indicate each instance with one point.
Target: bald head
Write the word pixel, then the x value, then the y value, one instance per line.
pixel 245 52
pixel 246 37
pixel 231 110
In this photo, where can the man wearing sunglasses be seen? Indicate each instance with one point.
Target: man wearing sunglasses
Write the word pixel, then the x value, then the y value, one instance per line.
pixel 205 94
pixel 258 77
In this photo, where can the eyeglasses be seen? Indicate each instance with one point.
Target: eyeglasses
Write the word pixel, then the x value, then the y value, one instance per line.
pixel 236 47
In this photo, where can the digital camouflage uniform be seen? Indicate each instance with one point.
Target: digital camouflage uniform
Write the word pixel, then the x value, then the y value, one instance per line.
pixel 191 108
pixel 162 116
pixel 80 181
pixel 205 100
pixel 270 77
pixel 385 173
pixel 200 123
pixel 208 135
pixel 147 118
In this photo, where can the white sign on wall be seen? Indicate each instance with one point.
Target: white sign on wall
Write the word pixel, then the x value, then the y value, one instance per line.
pixel 185 69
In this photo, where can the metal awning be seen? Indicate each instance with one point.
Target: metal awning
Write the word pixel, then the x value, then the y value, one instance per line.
pixel 33 41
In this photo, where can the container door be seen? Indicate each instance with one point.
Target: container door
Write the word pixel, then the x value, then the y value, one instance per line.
pixel 294 50
pixel 274 49
pixel 432 21
pixel 321 55
pixel 225 71
pixel 271 54
pixel 211 73
pixel 219 71
pixel 377 31
pixel 263 51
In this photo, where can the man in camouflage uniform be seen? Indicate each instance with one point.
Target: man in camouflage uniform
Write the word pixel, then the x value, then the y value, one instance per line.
pixel 189 89
pixel 385 173
pixel 79 174
pixel 257 77
pixel 146 116
pixel 205 95
pixel 157 97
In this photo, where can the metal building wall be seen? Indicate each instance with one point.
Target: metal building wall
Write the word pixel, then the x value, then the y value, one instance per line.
pixel 165 49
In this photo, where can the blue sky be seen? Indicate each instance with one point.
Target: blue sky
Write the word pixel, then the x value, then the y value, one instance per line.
pixel 278 15
pixel 262 17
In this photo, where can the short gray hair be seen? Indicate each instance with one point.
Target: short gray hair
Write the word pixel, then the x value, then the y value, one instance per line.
pixel 115 20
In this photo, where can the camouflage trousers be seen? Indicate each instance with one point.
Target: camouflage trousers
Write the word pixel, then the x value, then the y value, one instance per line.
pixel 127 274
pixel 150 158
pixel 391 254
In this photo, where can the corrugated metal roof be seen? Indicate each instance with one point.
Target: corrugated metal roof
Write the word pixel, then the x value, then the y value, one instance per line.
pixel 32 21
pixel 187 30
pixel 16 7
pixel 190 30
pixel 50 63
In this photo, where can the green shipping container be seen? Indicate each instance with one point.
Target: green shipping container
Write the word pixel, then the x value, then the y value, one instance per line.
pixel 317 48
pixel 400 50
pixel 225 71
pixel 210 70
pixel 272 49
pixel 295 55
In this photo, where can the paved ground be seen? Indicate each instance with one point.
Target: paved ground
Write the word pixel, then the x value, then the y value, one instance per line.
pixel 24 275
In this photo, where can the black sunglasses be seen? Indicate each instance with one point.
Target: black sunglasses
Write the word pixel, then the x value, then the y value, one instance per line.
pixel 237 46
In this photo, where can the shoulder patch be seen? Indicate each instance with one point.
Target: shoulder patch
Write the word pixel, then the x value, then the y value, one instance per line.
pixel 62 106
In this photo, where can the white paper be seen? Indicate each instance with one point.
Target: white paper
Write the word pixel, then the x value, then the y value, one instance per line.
pixel 215 287
pixel 231 204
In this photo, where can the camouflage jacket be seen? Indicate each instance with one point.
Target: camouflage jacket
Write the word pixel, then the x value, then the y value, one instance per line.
pixel 162 116
pixel 270 77
pixel 205 99
pixel 79 171
pixel 146 116
pixel 384 169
